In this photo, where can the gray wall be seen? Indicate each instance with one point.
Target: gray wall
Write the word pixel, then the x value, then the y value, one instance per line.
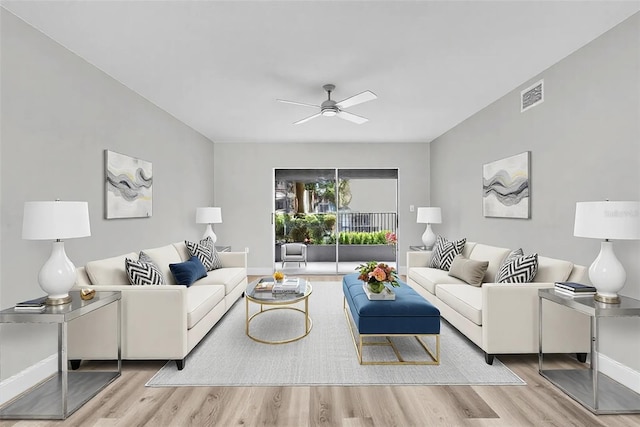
pixel 585 146
pixel 244 187
pixel 58 115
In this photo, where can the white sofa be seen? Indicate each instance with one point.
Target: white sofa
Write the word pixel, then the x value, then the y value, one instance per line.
pixel 158 321
pixel 502 318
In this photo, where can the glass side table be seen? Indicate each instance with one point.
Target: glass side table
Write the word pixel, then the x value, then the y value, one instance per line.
pixel 592 389
pixel 419 248
pixel 64 392
pixel 223 248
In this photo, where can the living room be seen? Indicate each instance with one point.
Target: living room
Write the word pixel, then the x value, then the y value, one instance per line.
pixel 60 112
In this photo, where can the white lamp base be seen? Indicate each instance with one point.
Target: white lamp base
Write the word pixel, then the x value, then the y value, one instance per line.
pixel 428 238
pixel 57 276
pixel 208 232
pixel 607 275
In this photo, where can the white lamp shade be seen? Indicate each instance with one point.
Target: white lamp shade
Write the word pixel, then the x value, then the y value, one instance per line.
pixel 208 216
pixel 607 220
pixel 55 220
pixel 429 216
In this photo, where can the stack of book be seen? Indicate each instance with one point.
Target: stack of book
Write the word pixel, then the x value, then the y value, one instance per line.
pixel 575 289
pixel 264 286
pixel 31 305
pixel 288 286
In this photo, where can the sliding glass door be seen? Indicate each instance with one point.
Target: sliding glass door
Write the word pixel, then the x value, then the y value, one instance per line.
pixel 343 217
pixel 367 217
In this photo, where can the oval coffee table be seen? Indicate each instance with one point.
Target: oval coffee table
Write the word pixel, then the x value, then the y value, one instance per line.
pixel 277 302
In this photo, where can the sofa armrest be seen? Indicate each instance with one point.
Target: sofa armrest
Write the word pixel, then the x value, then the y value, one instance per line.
pixel 510 321
pixel 418 258
pixel 154 325
pixel 233 259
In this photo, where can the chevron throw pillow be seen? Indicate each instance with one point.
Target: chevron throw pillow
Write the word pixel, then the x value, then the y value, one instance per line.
pixel 206 253
pixel 445 251
pixel 143 271
pixel 518 268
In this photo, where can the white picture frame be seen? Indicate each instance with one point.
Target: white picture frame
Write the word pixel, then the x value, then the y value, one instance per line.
pixel 128 186
pixel 506 187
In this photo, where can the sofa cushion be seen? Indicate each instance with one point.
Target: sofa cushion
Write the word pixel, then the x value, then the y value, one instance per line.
pixel 493 254
pixel 518 268
pixel 203 250
pixel 444 251
pixel 465 299
pixel 552 270
pixel 109 271
pixel 200 301
pixel 468 247
pixel 206 252
pixel 229 277
pixel 143 271
pixel 186 273
pixel 469 270
pixel 163 256
pixel 182 250
pixel 428 277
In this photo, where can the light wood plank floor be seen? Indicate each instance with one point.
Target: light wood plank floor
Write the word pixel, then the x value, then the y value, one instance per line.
pixel 127 402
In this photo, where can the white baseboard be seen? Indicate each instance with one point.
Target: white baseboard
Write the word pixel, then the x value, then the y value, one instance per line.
pixel 619 372
pixel 24 380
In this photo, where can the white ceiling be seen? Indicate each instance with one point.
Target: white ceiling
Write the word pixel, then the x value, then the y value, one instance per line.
pixel 219 66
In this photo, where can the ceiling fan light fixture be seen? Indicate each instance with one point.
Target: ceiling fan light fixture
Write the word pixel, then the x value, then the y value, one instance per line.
pixel 331 108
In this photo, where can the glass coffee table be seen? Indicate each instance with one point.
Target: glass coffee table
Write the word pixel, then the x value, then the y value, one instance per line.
pixel 277 301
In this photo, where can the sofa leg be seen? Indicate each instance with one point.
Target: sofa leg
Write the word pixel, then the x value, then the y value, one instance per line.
pixel 74 364
pixel 582 357
pixel 488 358
pixel 180 364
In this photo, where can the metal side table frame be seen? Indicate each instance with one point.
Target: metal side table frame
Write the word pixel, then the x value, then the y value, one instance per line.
pixel 53 398
pixel 592 389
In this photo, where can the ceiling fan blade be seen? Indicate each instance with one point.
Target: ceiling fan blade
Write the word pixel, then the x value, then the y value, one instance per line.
pixel 298 103
pixel 352 117
pixel 307 119
pixel 365 96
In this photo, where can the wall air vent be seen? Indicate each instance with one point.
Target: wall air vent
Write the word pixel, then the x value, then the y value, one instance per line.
pixel 532 96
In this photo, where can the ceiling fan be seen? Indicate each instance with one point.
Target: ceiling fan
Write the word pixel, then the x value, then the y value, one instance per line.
pixel 330 108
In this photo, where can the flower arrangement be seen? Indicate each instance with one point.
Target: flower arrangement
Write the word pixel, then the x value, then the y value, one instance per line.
pixel 391 238
pixel 377 274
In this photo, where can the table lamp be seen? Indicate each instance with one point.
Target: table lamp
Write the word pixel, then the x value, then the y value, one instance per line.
pixel 429 216
pixel 56 221
pixel 209 216
pixel 609 221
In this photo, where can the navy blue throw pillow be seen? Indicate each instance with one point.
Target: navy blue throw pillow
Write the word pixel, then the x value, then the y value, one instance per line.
pixel 186 273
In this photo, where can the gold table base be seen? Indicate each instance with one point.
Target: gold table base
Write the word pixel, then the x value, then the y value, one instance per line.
pixel 308 323
pixel 435 357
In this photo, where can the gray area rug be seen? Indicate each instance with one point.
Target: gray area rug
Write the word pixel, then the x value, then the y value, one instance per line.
pixel 327 356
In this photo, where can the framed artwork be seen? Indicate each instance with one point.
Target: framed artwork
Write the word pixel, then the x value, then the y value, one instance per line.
pixel 129 186
pixel 505 187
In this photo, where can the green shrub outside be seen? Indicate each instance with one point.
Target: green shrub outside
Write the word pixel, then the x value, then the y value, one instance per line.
pixel 319 229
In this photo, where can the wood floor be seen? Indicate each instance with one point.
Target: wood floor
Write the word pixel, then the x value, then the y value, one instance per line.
pixel 127 402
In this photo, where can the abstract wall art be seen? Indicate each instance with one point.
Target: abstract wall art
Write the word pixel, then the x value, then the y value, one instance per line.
pixel 505 187
pixel 129 186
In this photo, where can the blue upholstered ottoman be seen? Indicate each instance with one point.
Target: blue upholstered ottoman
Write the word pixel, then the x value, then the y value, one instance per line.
pixel 408 315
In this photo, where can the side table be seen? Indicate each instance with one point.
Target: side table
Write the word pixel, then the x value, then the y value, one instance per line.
pixel 595 391
pixel 223 248
pixel 419 248
pixel 64 392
